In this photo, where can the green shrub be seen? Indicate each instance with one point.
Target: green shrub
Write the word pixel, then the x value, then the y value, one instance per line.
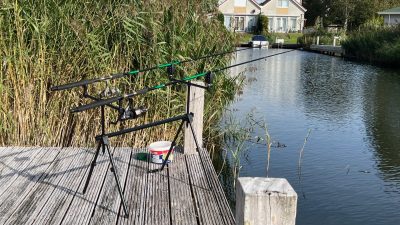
pixel 262 25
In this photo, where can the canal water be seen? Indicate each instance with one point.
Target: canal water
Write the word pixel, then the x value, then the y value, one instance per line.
pixel 350 167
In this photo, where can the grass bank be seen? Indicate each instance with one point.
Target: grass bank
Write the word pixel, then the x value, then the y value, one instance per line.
pixel 46 43
pixel 379 45
pixel 289 38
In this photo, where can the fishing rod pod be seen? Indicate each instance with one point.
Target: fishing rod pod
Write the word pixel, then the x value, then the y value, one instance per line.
pixel 186 80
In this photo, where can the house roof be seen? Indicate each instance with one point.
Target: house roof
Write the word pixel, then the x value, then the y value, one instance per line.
pixel 390 11
pixel 299 5
pixel 254 2
pixel 261 3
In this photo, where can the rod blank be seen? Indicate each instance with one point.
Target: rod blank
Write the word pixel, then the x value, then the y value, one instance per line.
pixel 135 72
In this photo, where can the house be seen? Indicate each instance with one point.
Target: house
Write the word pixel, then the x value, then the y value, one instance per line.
pixel 283 15
pixel 391 16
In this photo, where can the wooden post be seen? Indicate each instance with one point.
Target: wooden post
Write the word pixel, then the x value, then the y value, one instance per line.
pixel 196 106
pixel 267 201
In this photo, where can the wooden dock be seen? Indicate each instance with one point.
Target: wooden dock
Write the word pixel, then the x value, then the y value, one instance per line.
pixel 44 186
pixel 328 49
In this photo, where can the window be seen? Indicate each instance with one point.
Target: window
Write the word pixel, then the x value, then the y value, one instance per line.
pixel 283 3
pixel 270 24
pixel 227 22
pixel 282 24
pixel 239 23
pixel 279 24
pixel 251 24
pixel 294 24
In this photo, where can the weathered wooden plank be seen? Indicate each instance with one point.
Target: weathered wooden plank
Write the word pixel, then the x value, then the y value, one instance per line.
pixel 28 178
pixel 38 195
pixel 58 203
pixel 11 151
pixel 186 192
pixel 136 189
pixel 157 209
pixel 6 151
pixel 15 162
pixel 106 211
pixel 82 205
pixel 216 188
pixel 11 163
pixel 182 201
pixel 208 208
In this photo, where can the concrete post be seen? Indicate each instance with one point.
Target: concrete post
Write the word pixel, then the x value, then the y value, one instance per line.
pixel 196 106
pixel 317 40
pixel 265 201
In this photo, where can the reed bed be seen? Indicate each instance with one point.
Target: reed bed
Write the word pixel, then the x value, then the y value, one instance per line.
pixel 50 42
pixel 378 45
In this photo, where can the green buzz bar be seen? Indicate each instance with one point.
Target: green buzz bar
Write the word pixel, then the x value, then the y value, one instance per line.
pixel 136 93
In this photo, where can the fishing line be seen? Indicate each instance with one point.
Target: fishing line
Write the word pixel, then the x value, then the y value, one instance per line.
pixel 148 89
pixel 134 72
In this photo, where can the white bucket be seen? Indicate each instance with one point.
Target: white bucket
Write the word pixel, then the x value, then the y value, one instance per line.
pixel 159 150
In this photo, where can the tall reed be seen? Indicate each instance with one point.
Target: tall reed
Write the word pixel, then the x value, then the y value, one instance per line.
pixel 379 45
pixel 49 42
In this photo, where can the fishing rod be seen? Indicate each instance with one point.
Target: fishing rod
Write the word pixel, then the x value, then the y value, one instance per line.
pixel 134 72
pixel 208 77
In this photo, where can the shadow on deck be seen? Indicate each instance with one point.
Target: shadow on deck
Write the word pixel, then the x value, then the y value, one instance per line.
pixel 44 186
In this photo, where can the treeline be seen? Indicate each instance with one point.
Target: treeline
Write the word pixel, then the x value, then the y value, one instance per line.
pixel 46 43
pixel 349 13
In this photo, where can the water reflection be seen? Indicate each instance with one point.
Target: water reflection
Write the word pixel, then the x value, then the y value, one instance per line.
pixel 351 166
pixel 382 119
pixel 329 93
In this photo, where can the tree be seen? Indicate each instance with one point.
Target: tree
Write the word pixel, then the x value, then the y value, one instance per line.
pixel 262 25
pixel 350 13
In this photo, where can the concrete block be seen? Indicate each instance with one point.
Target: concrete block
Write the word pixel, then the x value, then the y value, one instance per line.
pixel 266 201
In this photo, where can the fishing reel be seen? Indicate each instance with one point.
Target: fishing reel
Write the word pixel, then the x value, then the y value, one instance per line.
pixel 109 92
pixel 129 112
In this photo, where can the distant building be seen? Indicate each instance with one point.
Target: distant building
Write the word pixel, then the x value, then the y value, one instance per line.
pixel 283 15
pixel 391 16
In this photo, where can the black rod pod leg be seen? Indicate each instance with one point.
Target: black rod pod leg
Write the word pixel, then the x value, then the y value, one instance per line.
pixel 92 165
pixel 172 145
pixel 114 171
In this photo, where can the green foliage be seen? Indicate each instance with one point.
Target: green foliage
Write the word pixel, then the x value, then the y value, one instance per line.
pixel 262 25
pixel 351 12
pixel 325 37
pixel 220 17
pixel 381 46
pixel 373 23
pixel 46 43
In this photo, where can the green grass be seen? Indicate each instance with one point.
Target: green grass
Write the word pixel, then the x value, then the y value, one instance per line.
pixel 243 37
pixel 290 38
pixel 47 43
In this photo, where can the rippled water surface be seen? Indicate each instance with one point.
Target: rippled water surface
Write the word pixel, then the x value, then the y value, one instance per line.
pixel 351 165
